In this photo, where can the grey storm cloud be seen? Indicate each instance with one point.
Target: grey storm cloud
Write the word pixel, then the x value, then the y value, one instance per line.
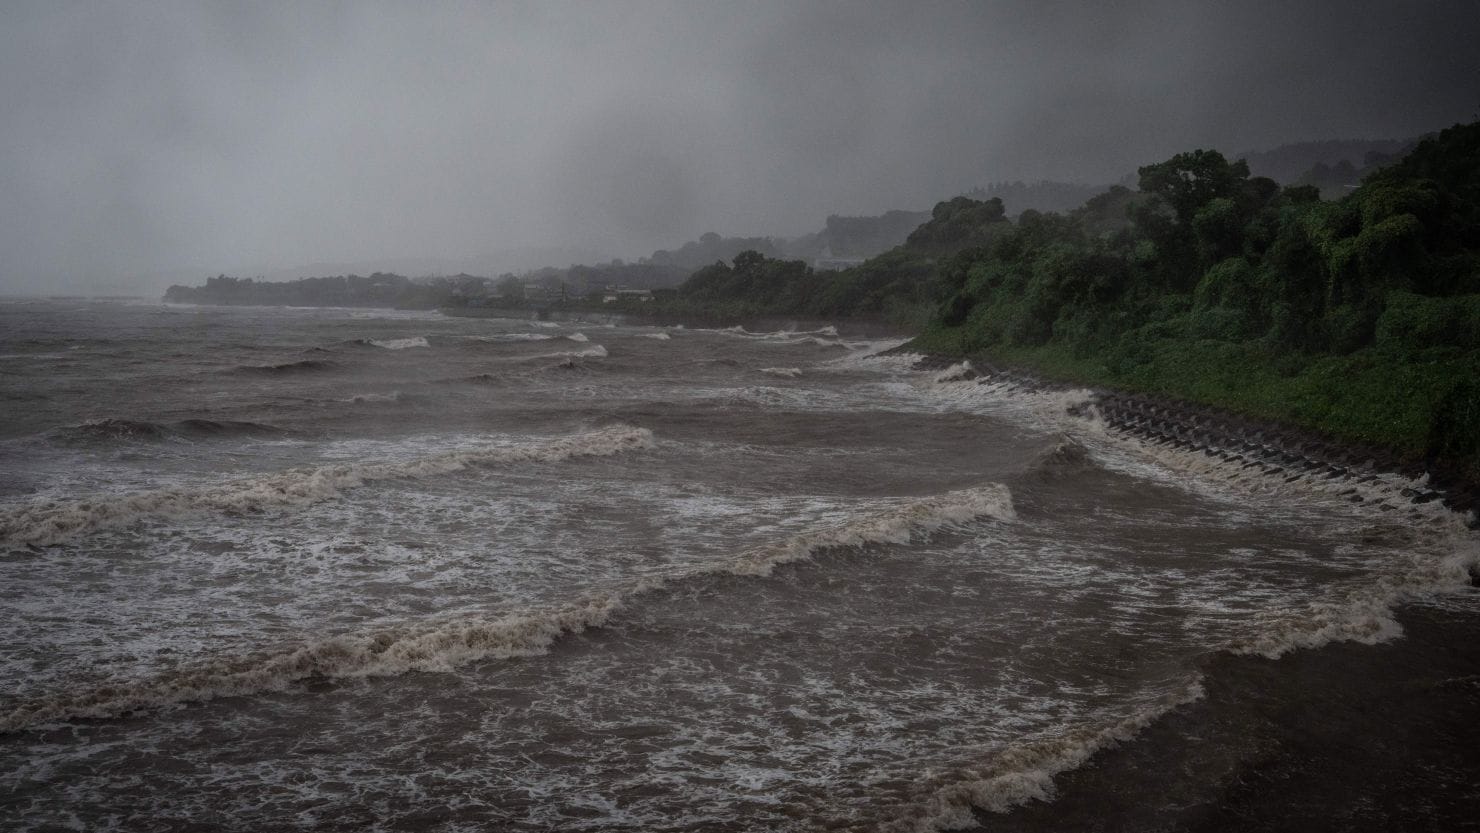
pixel 142 139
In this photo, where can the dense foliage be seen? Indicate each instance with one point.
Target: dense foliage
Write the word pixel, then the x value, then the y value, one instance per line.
pixel 898 285
pixel 1360 316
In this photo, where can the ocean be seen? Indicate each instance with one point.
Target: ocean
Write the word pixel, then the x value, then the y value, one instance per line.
pixel 333 569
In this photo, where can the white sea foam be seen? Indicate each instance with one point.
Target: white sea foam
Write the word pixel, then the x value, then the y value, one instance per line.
pixel 400 343
pixel 787 372
pixel 441 646
pixel 896 526
pixel 867 358
pixel 52 521
pixel 658 336
pixel 957 372
pixel 1365 613
pixel 581 337
pixel 514 337
pixel 449 643
pixel 1436 561
pixel 817 340
pixel 1025 773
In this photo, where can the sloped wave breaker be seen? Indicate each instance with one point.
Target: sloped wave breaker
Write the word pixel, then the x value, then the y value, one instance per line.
pixel 446 574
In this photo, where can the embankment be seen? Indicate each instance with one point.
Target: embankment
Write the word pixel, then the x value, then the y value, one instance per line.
pixel 1270 447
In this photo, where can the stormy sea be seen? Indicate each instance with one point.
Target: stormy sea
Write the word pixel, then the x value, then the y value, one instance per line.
pixel 331 569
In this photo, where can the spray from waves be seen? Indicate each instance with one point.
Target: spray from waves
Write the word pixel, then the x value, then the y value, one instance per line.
pixel 1438 551
pixel 961 371
pixel 820 342
pixel 452 643
pixel 1024 773
pixel 400 343
pixel 878 356
pixel 53 521
pixel 785 372
pixel 1067 456
pixel 595 351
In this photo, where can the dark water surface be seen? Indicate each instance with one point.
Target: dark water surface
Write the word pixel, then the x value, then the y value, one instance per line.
pixel 367 570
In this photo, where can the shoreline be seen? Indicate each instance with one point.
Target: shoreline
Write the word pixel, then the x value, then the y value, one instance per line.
pixel 1275 448
pixel 851 327
pixel 1346 736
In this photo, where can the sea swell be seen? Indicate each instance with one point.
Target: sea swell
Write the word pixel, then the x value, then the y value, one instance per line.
pixel 287 368
pixel 53 521
pixel 448 644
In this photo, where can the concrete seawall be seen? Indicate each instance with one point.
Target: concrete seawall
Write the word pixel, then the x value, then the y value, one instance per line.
pixel 1267 447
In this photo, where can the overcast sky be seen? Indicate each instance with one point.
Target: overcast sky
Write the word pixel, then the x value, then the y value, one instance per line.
pixel 140 138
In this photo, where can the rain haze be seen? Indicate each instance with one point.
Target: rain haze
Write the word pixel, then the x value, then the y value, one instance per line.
pixel 142 139
pixel 725 417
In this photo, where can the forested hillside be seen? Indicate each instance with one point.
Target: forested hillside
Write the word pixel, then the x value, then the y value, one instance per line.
pixel 1359 317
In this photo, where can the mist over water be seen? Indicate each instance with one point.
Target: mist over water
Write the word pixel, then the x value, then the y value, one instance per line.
pixel 146 146
pixel 354 569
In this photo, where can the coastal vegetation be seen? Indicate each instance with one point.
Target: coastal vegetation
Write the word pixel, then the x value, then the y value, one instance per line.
pixel 579 286
pixel 1358 317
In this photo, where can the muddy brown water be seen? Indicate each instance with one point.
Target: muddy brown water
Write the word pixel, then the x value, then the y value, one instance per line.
pixel 353 569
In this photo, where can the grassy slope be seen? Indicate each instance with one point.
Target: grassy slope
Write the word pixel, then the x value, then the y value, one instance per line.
pixel 1368 397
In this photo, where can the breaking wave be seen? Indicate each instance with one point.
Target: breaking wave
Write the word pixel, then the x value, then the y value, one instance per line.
pixel 400 343
pixel 1438 552
pixel 958 372
pixel 786 372
pixel 595 351
pixel 658 336
pixel 896 526
pixel 451 643
pixel 385 652
pixel 1067 456
pixel 1025 772
pixel 52 521
pixel 1365 614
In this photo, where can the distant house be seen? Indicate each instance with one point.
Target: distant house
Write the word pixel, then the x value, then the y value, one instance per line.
pixel 612 295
